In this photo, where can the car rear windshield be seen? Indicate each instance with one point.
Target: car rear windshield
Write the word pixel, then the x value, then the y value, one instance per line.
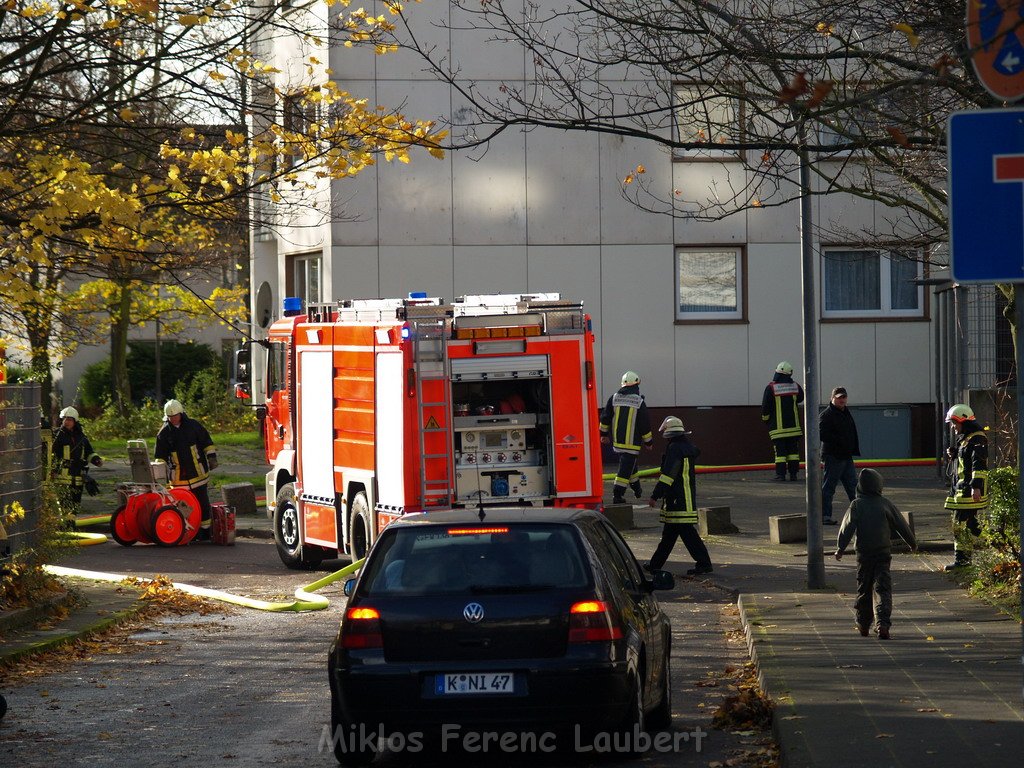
pixel 474 559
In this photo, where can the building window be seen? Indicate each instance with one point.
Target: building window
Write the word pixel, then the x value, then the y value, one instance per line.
pixel 872 283
pixel 710 284
pixel 709 117
pixel 304 278
pixel 300 116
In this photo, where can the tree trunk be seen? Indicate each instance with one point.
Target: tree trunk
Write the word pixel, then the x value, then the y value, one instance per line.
pixel 121 394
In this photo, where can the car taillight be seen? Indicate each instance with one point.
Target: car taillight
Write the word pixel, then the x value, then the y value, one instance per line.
pixel 361 629
pixel 590 621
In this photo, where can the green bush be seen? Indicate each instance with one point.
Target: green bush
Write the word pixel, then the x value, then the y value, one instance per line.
pixel 140 422
pixel 208 398
pixel 178 362
pixel 996 563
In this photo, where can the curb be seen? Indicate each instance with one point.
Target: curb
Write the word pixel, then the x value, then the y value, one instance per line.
pixel 56 641
pixel 785 707
pixel 23 617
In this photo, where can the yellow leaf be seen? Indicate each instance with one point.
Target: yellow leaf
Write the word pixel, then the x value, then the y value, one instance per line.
pixel 909 33
pixel 128 115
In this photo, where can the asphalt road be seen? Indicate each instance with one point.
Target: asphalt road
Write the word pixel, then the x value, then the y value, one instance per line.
pixel 249 688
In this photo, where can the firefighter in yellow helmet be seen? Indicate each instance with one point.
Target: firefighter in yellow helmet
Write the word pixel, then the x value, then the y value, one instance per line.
pixel 190 454
pixel 626 424
pixel 70 456
pixel 780 410
pixel 968 493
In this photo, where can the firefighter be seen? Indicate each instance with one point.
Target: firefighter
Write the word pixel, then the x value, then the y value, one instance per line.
pixel 677 485
pixel 968 493
pixel 190 454
pixel 70 456
pixel 626 424
pixel 781 412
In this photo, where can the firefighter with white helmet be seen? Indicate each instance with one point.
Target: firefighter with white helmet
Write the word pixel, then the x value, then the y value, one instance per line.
pixel 677 487
pixel 190 454
pixel 626 424
pixel 780 410
pixel 968 492
pixel 70 456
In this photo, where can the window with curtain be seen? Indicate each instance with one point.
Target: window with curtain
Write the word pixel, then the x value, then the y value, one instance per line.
pixel 860 282
pixel 709 284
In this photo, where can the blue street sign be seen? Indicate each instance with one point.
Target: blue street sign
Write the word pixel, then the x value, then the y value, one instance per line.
pixel 986 195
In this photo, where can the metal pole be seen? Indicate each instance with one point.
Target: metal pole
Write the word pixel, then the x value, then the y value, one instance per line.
pixel 939 447
pixel 1018 344
pixel 812 446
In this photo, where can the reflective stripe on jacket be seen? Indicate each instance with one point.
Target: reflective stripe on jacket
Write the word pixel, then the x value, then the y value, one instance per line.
pixel 70 453
pixel 625 416
pixel 678 481
pixel 971 471
pixel 185 449
pixel 780 407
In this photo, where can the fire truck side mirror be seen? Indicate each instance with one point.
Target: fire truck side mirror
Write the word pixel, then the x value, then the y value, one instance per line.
pixel 242 391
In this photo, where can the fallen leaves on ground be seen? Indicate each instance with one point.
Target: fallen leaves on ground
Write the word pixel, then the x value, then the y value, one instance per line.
pixel 749 708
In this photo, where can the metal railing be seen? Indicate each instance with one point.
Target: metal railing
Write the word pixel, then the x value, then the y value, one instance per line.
pixel 21 455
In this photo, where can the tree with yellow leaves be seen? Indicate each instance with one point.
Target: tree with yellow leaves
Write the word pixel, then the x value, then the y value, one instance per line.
pixel 106 168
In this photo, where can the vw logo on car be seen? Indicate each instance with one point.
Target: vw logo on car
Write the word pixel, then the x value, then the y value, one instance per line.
pixel 473 612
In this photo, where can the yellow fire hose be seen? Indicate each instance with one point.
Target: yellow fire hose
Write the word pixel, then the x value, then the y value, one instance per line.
pixel 304 599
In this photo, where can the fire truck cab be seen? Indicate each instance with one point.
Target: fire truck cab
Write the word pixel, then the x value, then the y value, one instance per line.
pixel 376 408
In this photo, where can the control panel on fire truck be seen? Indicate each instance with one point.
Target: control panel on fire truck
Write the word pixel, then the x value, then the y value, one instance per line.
pixel 500 456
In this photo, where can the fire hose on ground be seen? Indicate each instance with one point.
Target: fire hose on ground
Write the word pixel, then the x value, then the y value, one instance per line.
pixel 304 600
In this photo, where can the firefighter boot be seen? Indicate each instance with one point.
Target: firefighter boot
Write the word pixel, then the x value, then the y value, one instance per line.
pixel 961 560
pixel 618 495
pixel 638 490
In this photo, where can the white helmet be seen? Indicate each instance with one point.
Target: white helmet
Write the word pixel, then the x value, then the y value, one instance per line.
pixel 784 367
pixel 671 426
pixel 629 378
pixel 69 413
pixel 173 408
pixel 959 413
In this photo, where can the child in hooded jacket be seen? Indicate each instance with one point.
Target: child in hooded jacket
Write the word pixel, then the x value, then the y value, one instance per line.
pixel 873 518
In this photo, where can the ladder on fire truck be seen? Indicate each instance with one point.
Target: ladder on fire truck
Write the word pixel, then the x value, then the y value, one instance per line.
pixel 430 356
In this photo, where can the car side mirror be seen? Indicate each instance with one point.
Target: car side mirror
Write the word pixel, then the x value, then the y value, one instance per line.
pixel 662 580
pixel 350 587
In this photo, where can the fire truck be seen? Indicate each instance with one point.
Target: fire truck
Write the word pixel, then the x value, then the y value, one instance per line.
pixel 377 408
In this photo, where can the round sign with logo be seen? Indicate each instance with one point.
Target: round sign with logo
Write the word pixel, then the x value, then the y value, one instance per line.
pixel 995 37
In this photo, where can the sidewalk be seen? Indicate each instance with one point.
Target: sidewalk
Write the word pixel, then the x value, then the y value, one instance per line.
pixel 944 691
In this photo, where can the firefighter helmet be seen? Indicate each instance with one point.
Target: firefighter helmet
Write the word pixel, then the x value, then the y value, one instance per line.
pixel 69 413
pixel 672 426
pixel 173 408
pixel 629 378
pixel 784 367
pixel 959 413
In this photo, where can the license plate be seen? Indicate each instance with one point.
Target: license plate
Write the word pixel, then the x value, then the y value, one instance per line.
pixel 475 683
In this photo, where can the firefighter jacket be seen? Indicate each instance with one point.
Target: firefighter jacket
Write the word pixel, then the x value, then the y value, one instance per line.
pixel 971 470
pixel 838 433
pixel 70 454
pixel 678 481
pixel 626 417
pixel 780 406
pixel 187 449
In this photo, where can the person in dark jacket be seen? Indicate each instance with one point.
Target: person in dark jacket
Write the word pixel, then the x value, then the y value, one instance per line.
pixel 626 424
pixel 780 410
pixel 190 454
pixel 71 454
pixel 677 486
pixel 873 518
pixel 968 492
pixel 839 444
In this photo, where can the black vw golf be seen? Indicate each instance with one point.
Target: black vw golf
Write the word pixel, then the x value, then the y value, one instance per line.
pixel 470 625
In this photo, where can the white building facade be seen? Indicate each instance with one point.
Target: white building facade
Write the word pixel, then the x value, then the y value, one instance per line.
pixel 544 210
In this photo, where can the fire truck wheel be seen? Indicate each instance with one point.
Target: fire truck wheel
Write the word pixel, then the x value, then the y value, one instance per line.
pixel 287 535
pixel 118 530
pixel 360 527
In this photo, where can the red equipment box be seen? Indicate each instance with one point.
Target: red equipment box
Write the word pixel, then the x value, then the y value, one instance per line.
pixel 222 525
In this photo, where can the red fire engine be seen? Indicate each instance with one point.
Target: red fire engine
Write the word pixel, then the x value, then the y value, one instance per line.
pixel 375 408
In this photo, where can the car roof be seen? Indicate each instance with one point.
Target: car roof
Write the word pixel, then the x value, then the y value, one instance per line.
pixel 497 515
